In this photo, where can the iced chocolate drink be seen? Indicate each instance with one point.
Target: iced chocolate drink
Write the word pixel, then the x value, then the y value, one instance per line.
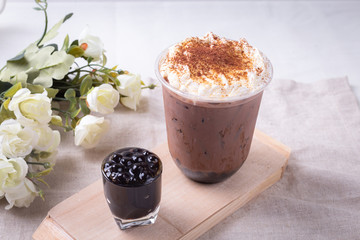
pixel 212 89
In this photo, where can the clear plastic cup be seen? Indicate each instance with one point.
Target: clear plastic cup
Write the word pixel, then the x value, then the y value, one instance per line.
pixel 209 139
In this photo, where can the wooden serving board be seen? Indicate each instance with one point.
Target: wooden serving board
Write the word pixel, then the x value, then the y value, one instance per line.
pixel 187 209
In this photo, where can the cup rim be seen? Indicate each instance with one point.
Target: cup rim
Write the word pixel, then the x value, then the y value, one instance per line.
pixel 136 185
pixel 194 97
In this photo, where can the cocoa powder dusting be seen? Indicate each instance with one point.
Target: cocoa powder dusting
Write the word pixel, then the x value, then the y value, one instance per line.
pixel 210 59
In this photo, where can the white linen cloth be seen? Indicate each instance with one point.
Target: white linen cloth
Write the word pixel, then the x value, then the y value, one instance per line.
pixel 319 194
pixel 317 198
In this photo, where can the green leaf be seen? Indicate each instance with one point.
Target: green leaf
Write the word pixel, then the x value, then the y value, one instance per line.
pixel 75 113
pixel 85 85
pixel 52 92
pixel 104 59
pixel 11 92
pixel 105 78
pixel 6 103
pixel 44 172
pixel 41 194
pixel 35 88
pixel 76 51
pixel 75 43
pixel 89 59
pixel 53 32
pixel 65 45
pixel 70 94
pixel 18 57
pixel 44 155
pixel 4 86
pixel 40 66
pixel 5 114
pixel 76 78
pixel 73 123
pixel 117 82
pixel 37 9
pixel 68 16
pixel 84 108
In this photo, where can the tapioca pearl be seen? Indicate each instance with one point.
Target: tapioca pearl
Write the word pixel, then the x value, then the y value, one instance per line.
pixel 127 154
pixel 142 176
pixel 115 158
pixel 137 150
pixel 145 152
pixel 141 159
pixel 123 162
pixel 155 160
pixel 114 168
pixel 150 158
pixel 107 168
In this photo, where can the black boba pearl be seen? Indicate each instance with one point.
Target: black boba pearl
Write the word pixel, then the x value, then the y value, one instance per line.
pixel 122 161
pixel 137 150
pixel 127 154
pixel 131 166
pixel 115 158
pixel 145 152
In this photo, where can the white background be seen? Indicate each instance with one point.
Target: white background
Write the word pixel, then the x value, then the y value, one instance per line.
pixel 305 40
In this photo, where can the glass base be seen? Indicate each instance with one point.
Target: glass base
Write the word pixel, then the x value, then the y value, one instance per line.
pixel 146 220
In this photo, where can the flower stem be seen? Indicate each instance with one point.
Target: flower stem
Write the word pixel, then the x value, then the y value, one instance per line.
pixel 60 110
pixel 44 164
pixel 46 19
pixel 151 86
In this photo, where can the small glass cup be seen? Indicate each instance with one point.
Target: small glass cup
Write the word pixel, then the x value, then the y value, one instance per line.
pixel 133 203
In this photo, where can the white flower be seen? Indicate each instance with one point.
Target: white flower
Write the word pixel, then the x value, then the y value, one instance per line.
pixel 12 173
pixel 130 86
pixel 90 130
pixel 31 109
pixel 16 141
pixel 92 45
pixel 46 148
pixel 49 139
pixel 21 195
pixel 17 189
pixel 103 99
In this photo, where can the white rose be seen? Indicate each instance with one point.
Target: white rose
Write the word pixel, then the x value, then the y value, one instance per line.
pixel 90 130
pixel 16 141
pixel 103 99
pixel 46 148
pixel 92 45
pixel 49 139
pixel 31 109
pixel 130 86
pixel 12 173
pixel 20 195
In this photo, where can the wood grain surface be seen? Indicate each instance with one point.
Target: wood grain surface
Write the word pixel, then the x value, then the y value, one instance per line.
pixel 188 209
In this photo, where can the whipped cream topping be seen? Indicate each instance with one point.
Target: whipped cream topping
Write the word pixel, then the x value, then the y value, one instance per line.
pixel 215 67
